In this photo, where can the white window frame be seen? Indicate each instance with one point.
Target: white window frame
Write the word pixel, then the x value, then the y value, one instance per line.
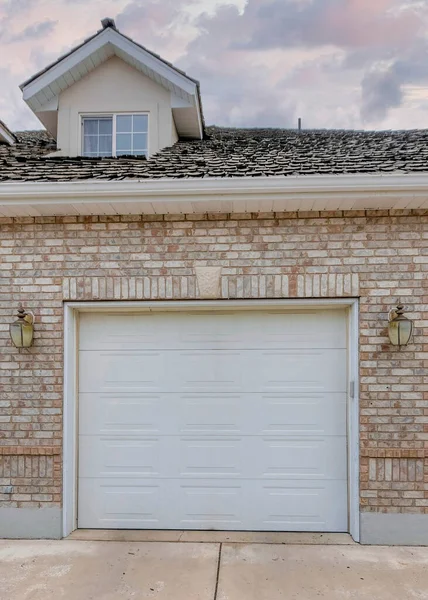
pixel 113 116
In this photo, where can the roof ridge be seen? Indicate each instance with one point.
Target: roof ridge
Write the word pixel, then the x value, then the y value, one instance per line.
pixel 312 129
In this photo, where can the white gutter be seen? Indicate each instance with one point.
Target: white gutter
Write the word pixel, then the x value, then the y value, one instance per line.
pixel 308 192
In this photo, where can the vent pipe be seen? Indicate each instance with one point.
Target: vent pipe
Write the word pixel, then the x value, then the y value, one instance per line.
pixel 107 22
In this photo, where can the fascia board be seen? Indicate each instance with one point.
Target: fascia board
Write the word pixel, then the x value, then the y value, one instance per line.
pixel 153 63
pixel 65 65
pixel 116 40
pixel 315 185
pixel 7 136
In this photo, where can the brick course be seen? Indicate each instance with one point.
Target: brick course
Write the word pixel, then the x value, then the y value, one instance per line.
pixel 382 257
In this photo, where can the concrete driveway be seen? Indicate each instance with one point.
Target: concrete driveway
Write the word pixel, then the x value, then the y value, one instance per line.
pixel 81 570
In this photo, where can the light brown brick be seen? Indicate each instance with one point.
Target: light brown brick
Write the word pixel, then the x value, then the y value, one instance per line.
pixel 379 257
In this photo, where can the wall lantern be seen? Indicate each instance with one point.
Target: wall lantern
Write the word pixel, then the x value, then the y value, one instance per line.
pixel 22 330
pixel 400 328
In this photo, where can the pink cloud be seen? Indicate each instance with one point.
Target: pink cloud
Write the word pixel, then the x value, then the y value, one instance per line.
pixel 364 23
pixel 264 64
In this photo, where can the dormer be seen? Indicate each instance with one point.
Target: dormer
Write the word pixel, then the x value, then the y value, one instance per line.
pixel 112 97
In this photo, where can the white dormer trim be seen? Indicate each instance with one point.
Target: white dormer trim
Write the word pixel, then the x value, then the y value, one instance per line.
pixel 6 136
pixel 41 91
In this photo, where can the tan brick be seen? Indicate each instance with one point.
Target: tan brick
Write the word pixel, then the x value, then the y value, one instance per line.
pixel 379 257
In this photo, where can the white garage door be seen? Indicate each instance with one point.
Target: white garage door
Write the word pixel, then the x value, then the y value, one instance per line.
pixel 229 421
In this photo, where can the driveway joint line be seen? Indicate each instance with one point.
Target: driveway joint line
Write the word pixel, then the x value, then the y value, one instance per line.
pixel 218 571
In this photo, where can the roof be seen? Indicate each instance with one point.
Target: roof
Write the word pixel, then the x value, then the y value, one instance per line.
pixel 110 25
pixel 42 90
pixel 227 153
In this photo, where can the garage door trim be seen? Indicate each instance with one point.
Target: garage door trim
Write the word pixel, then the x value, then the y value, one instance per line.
pixel 71 344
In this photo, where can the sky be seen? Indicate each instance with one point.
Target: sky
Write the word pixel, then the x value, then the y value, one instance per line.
pixel 342 64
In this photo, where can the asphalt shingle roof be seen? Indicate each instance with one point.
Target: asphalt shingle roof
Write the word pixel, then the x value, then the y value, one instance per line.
pixel 228 153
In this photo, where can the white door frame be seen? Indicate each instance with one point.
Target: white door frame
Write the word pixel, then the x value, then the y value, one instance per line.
pixel 71 347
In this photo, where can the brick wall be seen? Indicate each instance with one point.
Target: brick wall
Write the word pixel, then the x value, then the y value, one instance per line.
pixel 380 256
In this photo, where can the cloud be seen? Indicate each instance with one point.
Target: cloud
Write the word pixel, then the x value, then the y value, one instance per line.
pixel 267 24
pixel 167 24
pixel 380 92
pixel 335 63
pixel 384 88
pixel 37 31
pixel 17 5
pixel 13 111
pixel 313 46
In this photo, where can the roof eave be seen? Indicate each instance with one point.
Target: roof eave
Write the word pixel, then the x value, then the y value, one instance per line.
pixel 244 195
pixel 40 73
pixel 42 79
pixel 6 136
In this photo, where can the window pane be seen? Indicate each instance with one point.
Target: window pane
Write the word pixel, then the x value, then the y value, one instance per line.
pixel 141 123
pixel 140 153
pixel 90 144
pixel 105 144
pixel 90 126
pixel 140 141
pixel 124 123
pixel 122 152
pixel 106 126
pixel 97 136
pixel 124 142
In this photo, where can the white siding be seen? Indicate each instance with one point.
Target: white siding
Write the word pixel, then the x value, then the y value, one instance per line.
pixel 114 87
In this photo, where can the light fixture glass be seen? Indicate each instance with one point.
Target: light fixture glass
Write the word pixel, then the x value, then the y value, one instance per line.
pixel 22 330
pixel 400 328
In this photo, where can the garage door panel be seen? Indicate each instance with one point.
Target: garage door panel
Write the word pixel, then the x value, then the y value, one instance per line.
pixel 170 503
pixel 207 371
pixel 123 413
pixel 121 372
pixel 299 370
pixel 119 457
pixel 257 413
pixel 215 330
pixel 130 504
pixel 233 457
pixel 168 372
pixel 298 458
pixel 210 505
pixel 308 507
pixel 299 414
pixel 208 413
pixel 210 457
pixel 281 458
pixel 220 505
pixel 245 413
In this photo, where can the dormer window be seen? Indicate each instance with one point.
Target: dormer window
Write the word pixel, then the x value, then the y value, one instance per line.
pixel 98 136
pixel 115 135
